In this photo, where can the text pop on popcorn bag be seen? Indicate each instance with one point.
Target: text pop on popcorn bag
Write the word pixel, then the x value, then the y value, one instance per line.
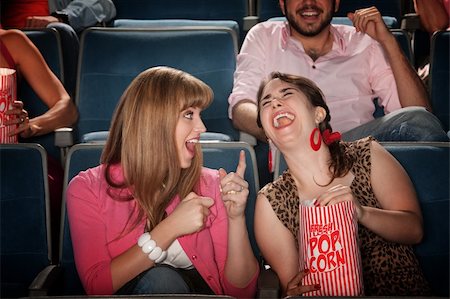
pixel 328 247
pixel 7 97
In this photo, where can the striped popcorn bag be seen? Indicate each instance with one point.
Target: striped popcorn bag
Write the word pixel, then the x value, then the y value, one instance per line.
pixel 328 245
pixel 7 97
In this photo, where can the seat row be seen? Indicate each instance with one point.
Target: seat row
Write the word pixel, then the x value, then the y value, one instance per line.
pixel 28 265
pixel 110 58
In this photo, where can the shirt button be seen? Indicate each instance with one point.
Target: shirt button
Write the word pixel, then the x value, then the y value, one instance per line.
pixel 313 66
pixel 194 257
pixel 209 277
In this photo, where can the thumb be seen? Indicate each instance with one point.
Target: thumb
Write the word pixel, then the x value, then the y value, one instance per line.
pixel 190 196
pixel 351 16
pixel 206 201
pixel 222 173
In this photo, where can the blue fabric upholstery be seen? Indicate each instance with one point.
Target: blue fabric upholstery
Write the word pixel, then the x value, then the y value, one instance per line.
pixel 111 57
pixel 404 41
pixel 428 167
pixel 133 23
pixel 440 77
pixel 24 214
pixel 102 136
pixel 427 164
pixel 48 42
pixel 80 157
pixel 234 10
pixel 267 9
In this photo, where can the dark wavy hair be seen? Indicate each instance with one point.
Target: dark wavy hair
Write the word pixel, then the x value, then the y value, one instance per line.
pixel 341 161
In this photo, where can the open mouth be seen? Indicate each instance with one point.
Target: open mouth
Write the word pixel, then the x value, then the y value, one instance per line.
pixel 309 12
pixel 283 119
pixel 190 145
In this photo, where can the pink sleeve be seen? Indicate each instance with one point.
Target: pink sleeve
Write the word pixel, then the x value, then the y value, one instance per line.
pixel 382 80
pixel 88 233
pixel 250 68
pixel 220 241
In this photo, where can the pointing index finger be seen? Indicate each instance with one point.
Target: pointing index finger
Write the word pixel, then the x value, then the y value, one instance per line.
pixel 240 170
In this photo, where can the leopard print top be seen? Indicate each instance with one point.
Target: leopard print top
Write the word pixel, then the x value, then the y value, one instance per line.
pixel 388 268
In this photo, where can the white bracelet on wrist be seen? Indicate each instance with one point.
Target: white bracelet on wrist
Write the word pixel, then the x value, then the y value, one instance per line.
pixel 148 246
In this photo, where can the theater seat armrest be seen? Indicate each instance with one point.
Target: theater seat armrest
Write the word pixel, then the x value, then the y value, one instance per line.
pixel 64 137
pixel 268 284
pixel 45 281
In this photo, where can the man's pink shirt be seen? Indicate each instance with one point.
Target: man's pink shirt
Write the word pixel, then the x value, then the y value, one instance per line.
pixel 97 220
pixel 351 75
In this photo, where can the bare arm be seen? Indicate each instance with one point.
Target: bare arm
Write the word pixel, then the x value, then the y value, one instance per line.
pixel 244 119
pixel 432 14
pixel 241 264
pixel 276 242
pixel 62 111
pixel 400 219
pixel 411 90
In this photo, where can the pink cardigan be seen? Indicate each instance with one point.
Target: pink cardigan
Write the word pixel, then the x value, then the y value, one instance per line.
pixel 96 220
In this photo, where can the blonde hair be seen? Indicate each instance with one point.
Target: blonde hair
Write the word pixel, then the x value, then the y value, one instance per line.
pixel 142 140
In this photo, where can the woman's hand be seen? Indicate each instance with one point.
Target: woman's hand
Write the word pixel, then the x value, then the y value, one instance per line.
pixel 18 117
pixel 190 215
pixel 295 287
pixel 336 194
pixel 234 189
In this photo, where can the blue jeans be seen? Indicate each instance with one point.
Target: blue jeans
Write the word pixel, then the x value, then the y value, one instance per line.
pixel 161 280
pixel 164 279
pixel 405 124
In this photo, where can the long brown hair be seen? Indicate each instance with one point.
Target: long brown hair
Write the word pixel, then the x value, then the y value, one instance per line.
pixel 142 140
pixel 341 161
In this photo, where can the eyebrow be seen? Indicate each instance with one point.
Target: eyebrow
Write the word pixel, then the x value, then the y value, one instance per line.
pixel 282 91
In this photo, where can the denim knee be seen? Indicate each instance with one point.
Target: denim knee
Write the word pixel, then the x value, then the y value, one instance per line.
pixel 418 124
pixel 161 280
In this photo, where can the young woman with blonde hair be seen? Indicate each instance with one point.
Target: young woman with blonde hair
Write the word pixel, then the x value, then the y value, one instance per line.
pixel 150 218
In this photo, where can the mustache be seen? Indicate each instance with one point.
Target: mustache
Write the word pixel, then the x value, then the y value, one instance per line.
pixel 309 7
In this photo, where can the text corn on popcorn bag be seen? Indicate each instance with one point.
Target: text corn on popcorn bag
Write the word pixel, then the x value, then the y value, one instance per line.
pixel 328 245
pixel 7 97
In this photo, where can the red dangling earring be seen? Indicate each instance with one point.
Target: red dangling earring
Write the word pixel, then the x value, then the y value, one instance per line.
pixel 315 146
pixel 270 161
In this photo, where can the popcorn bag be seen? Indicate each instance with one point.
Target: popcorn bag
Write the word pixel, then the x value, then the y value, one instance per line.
pixel 328 245
pixel 7 97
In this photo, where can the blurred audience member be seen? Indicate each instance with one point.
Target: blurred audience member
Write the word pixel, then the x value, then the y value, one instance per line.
pixel 19 53
pixel 69 17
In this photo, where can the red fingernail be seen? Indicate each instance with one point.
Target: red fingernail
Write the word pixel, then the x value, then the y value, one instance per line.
pixel 317 286
pixel 316 203
pixel 306 271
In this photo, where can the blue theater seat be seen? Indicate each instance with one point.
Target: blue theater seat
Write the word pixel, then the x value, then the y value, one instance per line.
pixel 235 10
pixel 111 57
pixel 440 77
pixel 25 236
